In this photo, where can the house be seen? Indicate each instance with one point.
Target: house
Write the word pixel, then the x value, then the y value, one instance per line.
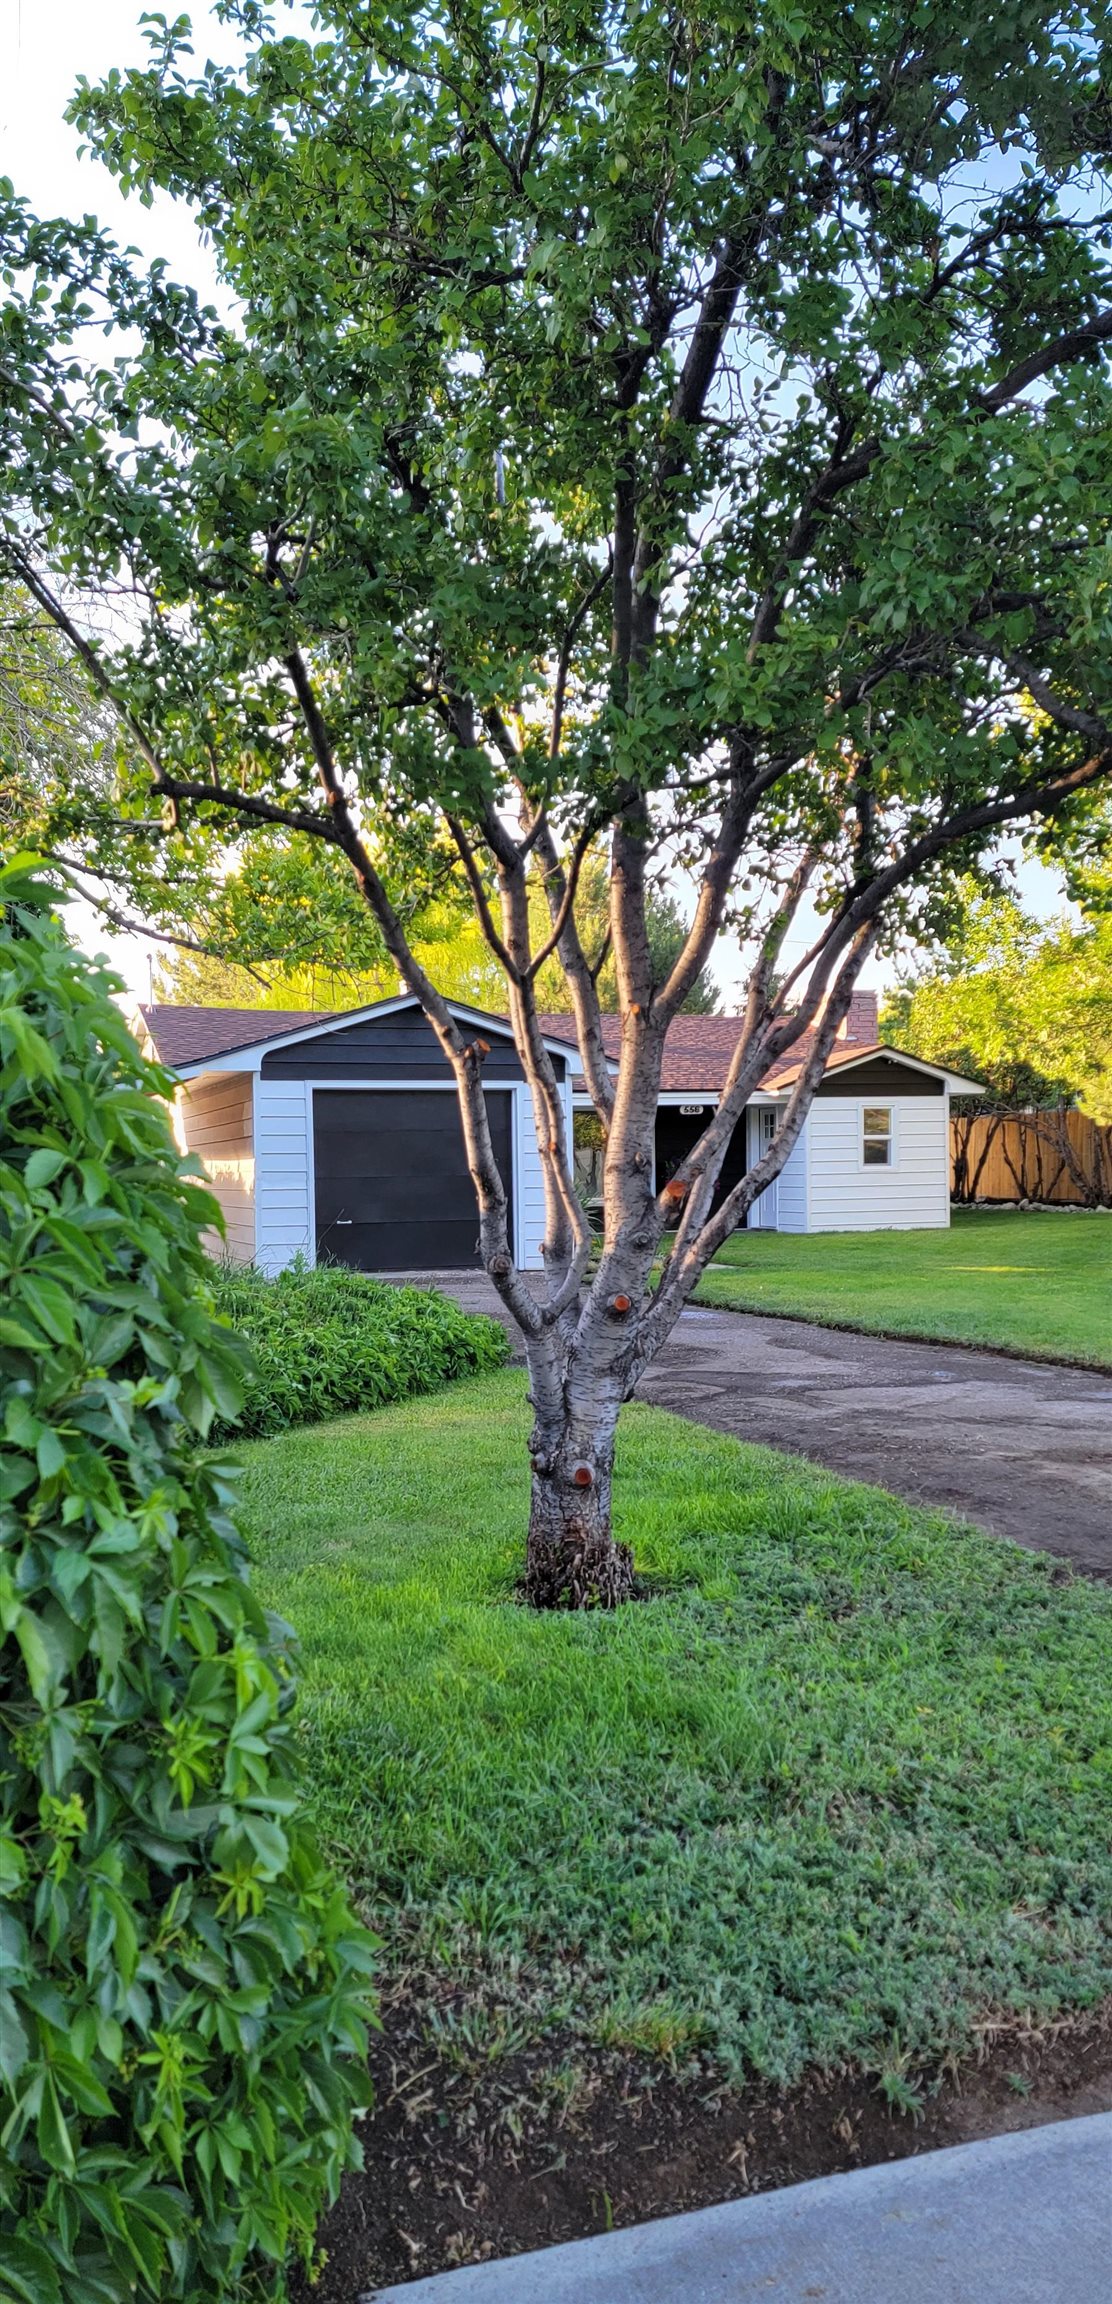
pixel 339 1135
pixel 874 1151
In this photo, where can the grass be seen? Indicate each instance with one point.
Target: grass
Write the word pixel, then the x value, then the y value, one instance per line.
pixel 840 1789
pixel 1022 1280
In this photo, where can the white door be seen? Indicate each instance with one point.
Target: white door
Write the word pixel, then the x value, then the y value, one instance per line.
pixel 762 1129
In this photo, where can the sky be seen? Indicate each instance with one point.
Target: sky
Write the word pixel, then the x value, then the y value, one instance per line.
pixel 45 47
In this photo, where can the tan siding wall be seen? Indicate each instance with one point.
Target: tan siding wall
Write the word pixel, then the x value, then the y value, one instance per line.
pixel 214 1120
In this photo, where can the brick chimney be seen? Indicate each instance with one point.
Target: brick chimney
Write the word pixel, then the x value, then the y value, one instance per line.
pixel 861 1026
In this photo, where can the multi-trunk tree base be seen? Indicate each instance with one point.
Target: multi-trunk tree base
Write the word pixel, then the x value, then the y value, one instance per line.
pixel 573 1560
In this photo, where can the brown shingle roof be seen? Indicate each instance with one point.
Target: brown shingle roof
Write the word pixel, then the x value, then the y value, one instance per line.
pixel 186 1035
pixel 697 1051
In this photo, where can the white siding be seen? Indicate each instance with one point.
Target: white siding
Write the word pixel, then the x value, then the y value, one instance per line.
pixel 284 1173
pixel 529 1180
pixel 791 1202
pixel 213 1119
pixel 913 1193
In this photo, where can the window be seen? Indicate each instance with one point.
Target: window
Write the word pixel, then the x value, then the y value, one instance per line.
pixel 876 1136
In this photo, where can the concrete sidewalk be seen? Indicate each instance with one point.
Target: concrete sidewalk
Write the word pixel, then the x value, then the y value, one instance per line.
pixel 1023 2219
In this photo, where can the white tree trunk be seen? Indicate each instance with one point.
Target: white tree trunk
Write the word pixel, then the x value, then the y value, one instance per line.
pixel 572 1558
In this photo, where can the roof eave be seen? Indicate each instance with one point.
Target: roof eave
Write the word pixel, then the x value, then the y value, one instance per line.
pixel 249 1057
pixel 955 1084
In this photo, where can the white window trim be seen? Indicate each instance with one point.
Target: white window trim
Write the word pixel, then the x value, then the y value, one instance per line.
pixel 878 1104
pixel 768 1201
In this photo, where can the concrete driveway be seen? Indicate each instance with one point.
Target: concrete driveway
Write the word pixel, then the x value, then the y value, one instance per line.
pixel 1023 1448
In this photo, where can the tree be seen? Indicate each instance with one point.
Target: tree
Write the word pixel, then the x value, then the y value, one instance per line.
pixel 297 935
pixel 665 930
pixel 635 423
pixel 183 1991
pixel 55 732
pixel 1023 1005
pixel 281 926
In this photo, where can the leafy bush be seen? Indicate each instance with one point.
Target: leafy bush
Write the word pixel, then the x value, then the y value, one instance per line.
pixel 331 1341
pixel 183 1994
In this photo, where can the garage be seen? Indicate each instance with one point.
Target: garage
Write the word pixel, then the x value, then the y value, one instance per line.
pixel 392 1188
pixel 339 1136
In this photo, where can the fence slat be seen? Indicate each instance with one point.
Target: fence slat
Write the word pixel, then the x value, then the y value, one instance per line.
pixel 1061 1158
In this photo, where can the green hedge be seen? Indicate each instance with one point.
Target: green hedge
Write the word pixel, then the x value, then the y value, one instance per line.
pixel 183 1985
pixel 329 1342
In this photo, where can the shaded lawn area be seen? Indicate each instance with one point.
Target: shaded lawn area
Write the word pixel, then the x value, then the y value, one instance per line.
pixel 840 1788
pixel 1023 1280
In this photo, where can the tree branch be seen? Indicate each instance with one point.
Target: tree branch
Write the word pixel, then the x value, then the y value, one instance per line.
pixel 110 912
pixel 581 984
pixel 479 896
pixel 564 913
pixel 842 472
pixel 563 666
pixel 464 1058
pixel 687 1263
pixel 1061 353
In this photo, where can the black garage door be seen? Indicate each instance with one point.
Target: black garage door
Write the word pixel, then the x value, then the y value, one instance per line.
pixel 393 1189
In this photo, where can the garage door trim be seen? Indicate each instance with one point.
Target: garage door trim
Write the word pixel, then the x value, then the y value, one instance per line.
pixel 411 1088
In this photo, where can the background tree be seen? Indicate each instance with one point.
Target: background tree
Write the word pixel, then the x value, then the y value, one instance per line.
pixel 281 926
pixel 1023 1005
pixel 305 939
pixel 656 424
pixel 56 734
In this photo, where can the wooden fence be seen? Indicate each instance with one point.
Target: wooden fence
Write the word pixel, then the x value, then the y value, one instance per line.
pixel 1061 1157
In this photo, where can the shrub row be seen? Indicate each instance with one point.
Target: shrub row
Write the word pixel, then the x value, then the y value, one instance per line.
pixel 183 1985
pixel 329 1342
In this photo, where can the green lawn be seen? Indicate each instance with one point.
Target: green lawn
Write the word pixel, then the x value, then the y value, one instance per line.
pixel 1024 1280
pixel 841 1787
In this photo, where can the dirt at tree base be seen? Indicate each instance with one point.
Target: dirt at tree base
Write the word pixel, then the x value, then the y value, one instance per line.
pixel 553 2143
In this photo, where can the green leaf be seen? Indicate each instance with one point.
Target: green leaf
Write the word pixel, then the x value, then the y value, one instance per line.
pixel 50 1304
pixel 27 2273
pixel 15 2045
pixel 269 1842
pixel 43 1166
pixel 16 1474
pixel 38 1657
pixel 78 2082
pixel 52 2133
pixel 13 1864
pixel 50 1455
pixel 36 1057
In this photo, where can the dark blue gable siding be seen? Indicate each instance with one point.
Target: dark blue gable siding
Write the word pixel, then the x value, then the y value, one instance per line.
pixel 881 1076
pixel 401 1046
